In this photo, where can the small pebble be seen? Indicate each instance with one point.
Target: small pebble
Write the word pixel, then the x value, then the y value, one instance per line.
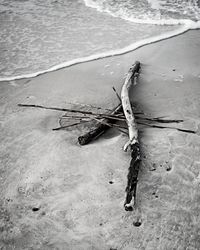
pixel 35 209
pixel 111 182
pixel 137 224
pixel 153 167
pixel 168 168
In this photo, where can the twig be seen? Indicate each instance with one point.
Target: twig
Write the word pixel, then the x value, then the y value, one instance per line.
pixel 115 117
pixel 89 105
pixel 55 108
pixel 118 96
pixel 63 127
pixel 98 116
pixel 159 120
pixel 162 127
pixel 75 117
pixel 112 125
pixel 66 110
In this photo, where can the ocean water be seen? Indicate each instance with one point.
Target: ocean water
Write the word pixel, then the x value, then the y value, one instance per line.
pixel 38 36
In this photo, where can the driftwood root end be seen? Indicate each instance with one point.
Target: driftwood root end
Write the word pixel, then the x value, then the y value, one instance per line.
pixel 132 177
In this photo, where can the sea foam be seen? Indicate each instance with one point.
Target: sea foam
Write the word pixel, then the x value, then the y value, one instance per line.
pixel 150 11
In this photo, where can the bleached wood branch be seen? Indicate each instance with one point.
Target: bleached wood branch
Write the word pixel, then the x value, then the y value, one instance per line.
pixel 126 104
pixel 133 138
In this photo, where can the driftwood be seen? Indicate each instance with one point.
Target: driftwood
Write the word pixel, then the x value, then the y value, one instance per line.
pixel 107 119
pixel 133 142
pixel 101 128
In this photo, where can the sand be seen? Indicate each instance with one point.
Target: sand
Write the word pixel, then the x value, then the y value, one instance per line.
pixel 56 194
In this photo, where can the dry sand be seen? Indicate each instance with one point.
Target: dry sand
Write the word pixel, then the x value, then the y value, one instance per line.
pixel 78 209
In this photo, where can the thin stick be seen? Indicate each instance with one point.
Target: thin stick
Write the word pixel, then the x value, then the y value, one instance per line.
pixel 118 127
pixel 162 127
pixel 101 116
pixel 109 124
pixel 123 119
pixel 71 125
pixel 126 133
pixel 68 110
pixel 118 96
pixel 160 120
pixel 88 105
pixel 55 108
pixel 75 117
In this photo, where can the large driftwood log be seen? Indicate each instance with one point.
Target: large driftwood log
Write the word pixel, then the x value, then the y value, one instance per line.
pixel 101 128
pixel 133 143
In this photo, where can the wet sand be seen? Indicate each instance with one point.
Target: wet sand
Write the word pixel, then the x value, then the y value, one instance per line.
pixel 56 194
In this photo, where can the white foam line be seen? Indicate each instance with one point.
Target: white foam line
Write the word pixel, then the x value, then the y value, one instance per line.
pixel 189 25
pixel 146 20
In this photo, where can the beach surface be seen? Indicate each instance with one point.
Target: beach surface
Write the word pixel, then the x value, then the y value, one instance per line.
pixel 56 194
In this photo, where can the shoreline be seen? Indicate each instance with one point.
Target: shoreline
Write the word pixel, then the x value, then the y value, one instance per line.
pixel 187 26
pixel 56 194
